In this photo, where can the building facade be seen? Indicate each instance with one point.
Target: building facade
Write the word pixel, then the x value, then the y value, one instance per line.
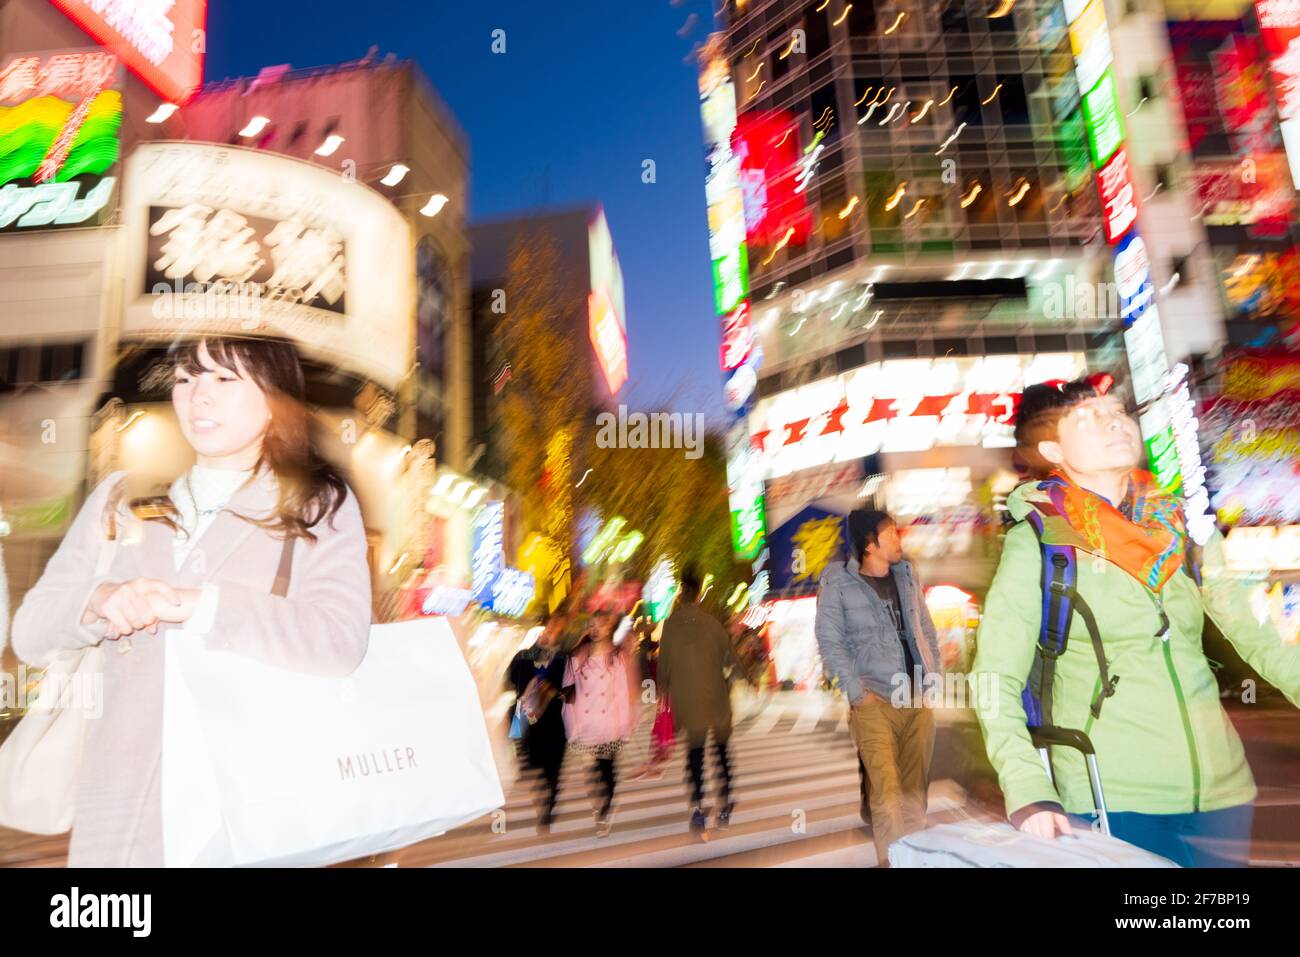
pixel 915 211
pixel 271 204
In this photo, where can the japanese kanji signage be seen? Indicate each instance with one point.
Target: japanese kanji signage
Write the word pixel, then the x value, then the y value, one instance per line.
pixel 284 259
pixel 226 239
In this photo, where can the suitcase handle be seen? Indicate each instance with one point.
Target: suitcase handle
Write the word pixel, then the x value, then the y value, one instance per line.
pixel 1049 736
pixel 1065 737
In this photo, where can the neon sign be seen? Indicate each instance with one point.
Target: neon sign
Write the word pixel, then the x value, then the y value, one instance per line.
pixel 1279 28
pixel 608 339
pixel 1143 338
pixel 725 197
pixel 487 553
pixel 767 145
pixel 1118 196
pixel 745 495
pixel 903 405
pixel 52 204
pixel 160 41
pixel 48 139
pixel 68 75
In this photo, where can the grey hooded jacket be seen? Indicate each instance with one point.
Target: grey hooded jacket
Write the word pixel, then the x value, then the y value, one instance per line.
pixel 856 634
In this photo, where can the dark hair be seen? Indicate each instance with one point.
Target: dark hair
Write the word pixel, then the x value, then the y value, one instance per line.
pixel 1042 407
pixel 691 583
pixel 310 488
pixel 864 529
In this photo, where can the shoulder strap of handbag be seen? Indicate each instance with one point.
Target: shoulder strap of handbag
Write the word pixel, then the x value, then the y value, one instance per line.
pixel 281 587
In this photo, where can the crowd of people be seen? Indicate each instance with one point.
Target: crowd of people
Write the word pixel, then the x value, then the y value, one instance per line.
pixel 1098 580
pixel 583 697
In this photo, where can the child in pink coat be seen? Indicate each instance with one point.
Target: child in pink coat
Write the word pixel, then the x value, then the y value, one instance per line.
pixel 600 712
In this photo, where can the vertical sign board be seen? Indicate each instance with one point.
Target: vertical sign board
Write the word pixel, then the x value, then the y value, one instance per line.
pixel 1279 28
pixel 740 354
pixel 1168 429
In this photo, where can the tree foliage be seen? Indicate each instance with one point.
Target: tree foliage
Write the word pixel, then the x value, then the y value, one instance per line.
pixel 678 503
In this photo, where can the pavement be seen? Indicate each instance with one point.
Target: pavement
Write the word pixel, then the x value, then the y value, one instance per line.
pixel 795 781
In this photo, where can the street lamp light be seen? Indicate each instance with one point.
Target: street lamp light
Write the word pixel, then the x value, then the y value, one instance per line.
pixel 395 175
pixel 434 205
pixel 332 143
pixel 255 126
pixel 162 114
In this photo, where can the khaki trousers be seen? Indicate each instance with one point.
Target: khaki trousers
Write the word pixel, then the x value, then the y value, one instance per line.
pixel 896 745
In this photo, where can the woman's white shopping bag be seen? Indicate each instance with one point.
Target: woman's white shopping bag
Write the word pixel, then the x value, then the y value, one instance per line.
pixel 269 767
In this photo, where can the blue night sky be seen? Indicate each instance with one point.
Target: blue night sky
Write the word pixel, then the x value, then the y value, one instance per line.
pixel 585 92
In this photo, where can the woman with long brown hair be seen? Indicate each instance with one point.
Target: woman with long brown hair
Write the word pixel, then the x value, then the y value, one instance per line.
pixel 258 549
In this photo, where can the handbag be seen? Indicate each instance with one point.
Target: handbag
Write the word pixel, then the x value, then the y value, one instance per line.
pixel 265 766
pixel 537 698
pixel 40 761
pixel 517 725
pixel 662 734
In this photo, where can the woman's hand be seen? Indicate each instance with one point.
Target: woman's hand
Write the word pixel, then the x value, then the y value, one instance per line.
pixel 138 605
pixel 1046 824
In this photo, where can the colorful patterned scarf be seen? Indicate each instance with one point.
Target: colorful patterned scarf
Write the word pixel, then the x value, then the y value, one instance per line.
pixel 1145 536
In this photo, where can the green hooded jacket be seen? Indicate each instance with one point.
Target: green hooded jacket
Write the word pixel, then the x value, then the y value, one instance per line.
pixel 1164 743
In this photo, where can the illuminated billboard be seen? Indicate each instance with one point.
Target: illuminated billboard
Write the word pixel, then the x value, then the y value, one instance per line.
pixel 60 115
pixel 899 405
pixel 608 339
pixel 1168 428
pixel 1279 28
pixel 606 273
pixel 225 239
pixel 160 41
pixel 776 210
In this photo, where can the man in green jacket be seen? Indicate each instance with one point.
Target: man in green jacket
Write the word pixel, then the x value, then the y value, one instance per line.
pixel 1171 763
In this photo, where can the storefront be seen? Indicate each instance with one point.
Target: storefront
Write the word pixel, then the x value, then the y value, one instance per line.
pixel 224 240
pixel 926 440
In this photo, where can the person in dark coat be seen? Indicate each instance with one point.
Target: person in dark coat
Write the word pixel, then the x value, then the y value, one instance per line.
pixel 695 657
pixel 544 740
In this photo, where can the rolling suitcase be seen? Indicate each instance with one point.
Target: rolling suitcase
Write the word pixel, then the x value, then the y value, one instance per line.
pixel 998 844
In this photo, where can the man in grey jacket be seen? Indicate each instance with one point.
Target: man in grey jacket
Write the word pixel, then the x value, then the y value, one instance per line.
pixel 878 642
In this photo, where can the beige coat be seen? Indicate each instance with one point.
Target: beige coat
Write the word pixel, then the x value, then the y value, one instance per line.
pixel 321 627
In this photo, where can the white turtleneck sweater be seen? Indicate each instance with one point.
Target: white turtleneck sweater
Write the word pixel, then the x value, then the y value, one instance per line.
pixel 200 495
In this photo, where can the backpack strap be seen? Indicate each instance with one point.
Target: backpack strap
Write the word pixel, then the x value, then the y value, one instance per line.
pixel 1192 558
pixel 1060 575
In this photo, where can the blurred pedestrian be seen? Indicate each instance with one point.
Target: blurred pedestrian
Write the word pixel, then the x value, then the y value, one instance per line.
pixel 662 734
pixel 878 641
pixel 695 659
pixel 212 552
pixel 1174 771
pixel 601 682
pixel 537 674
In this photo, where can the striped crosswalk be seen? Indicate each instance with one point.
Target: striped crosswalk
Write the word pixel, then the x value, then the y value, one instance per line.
pixel 796 787
pixel 795 783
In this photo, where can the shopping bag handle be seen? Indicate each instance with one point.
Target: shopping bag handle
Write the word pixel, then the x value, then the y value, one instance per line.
pixel 281 587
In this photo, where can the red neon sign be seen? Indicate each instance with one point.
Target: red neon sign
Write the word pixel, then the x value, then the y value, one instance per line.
pixel 607 339
pixel 156 41
pixel 737 337
pixel 767 145
pixel 1118 196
